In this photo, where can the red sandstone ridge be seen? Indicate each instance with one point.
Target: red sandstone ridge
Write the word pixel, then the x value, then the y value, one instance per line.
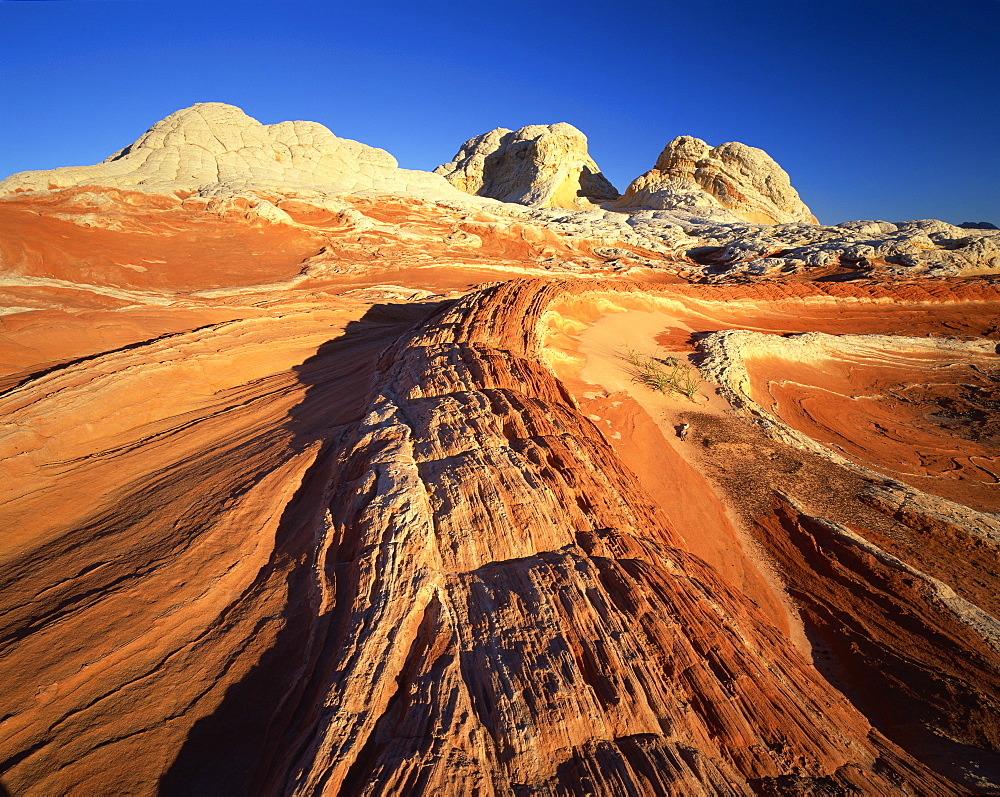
pixel 312 489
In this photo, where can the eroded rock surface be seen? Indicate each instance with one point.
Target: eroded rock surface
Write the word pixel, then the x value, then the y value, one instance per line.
pixel 871 249
pixel 319 491
pixel 212 147
pixel 690 175
pixel 537 165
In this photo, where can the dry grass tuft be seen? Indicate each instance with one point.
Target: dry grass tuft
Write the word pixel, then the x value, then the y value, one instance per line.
pixel 667 374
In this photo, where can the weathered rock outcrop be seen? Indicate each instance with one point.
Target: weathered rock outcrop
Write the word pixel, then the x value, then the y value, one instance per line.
pixel 307 493
pixel 412 562
pixel 212 147
pixel 689 175
pixel 538 165
pixel 870 249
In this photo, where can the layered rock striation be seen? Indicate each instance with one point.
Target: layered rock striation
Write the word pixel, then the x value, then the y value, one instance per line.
pixel 453 580
pixel 316 489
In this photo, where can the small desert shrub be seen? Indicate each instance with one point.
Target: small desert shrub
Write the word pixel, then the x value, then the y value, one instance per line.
pixel 666 374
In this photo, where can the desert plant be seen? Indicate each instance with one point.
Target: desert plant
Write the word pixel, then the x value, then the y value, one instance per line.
pixel 666 374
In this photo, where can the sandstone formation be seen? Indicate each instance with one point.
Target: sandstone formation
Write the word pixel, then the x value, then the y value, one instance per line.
pixel 689 175
pixel 315 490
pixel 212 147
pixel 857 248
pixel 538 165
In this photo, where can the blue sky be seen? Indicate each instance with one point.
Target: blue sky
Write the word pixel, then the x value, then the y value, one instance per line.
pixel 877 109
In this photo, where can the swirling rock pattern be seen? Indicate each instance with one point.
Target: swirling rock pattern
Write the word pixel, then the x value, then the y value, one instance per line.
pixel 422 570
pixel 320 492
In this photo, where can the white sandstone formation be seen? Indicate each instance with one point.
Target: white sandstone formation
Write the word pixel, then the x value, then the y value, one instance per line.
pixel 538 165
pixel 214 148
pixel 905 249
pixel 723 214
pixel 731 182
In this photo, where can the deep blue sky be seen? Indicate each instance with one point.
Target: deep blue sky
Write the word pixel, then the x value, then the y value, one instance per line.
pixel 877 109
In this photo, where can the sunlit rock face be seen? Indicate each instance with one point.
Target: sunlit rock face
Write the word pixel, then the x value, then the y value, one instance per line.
pixel 742 180
pixel 312 489
pixel 538 165
pixel 217 148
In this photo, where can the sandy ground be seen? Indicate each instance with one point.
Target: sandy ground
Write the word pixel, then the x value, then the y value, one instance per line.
pixel 644 426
